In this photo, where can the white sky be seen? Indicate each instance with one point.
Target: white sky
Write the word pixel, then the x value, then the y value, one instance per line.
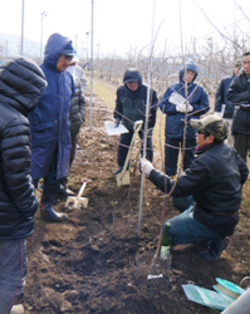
pixel 122 24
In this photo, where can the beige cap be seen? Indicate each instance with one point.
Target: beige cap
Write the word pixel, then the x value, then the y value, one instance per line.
pixel 212 124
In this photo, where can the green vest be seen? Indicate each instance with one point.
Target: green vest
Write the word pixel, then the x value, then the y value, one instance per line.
pixel 133 110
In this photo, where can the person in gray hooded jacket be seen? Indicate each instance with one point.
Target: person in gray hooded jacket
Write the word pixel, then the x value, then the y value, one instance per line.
pixel 21 83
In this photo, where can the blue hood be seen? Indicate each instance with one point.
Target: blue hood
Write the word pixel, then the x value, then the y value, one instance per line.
pixel 54 47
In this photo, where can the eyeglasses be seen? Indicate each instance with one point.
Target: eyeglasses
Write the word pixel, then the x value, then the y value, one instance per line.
pixel 67 58
pixel 200 132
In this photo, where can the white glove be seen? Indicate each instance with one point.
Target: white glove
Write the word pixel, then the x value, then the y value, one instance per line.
pixel 146 166
pixel 176 99
pixel 217 113
pixel 183 107
pixel 190 108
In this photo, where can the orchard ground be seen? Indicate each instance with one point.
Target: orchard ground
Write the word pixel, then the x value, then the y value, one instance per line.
pixel 88 264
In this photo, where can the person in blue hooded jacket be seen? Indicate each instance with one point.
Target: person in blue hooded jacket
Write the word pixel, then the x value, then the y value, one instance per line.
pixel 50 133
pixel 131 106
pixel 181 99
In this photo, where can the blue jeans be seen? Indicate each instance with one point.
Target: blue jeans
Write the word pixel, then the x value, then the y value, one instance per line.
pixel 184 228
pixel 13 270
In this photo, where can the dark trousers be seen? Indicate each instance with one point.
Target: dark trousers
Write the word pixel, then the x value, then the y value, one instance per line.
pixel 124 143
pixel 171 154
pixel 242 144
pixel 13 270
pixel 50 183
pixel 74 140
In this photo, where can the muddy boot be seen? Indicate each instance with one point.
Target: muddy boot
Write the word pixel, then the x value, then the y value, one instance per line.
pixel 48 213
pixel 214 252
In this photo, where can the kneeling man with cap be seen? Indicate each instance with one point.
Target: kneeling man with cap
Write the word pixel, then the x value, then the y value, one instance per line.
pixel 208 193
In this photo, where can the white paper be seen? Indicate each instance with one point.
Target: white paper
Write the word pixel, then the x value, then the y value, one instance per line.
pixel 154 276
pixel 111 129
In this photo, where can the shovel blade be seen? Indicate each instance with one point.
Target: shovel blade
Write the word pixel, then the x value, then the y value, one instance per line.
pixel 74 202
pixel 82 202
pixel 123 178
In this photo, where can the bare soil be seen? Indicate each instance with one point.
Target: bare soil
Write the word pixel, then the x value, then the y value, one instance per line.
pixel 88 264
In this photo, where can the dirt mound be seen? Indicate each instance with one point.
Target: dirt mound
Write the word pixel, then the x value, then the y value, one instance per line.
pixel 90 263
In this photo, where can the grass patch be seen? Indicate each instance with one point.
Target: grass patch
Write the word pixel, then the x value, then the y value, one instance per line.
pixel 105 91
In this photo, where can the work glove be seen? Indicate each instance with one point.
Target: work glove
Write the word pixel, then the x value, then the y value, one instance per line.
pixel 176 99
pixel 146 166
pixel 183 107
pixel 217 113
pixel 117 122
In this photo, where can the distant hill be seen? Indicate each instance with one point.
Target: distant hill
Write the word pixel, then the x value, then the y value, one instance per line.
pixel 10 46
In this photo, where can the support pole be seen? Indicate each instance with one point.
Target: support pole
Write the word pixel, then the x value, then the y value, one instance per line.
pixel 91 65
pixel 147 115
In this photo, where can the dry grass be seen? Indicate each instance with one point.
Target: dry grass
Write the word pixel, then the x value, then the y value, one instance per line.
pixel 105 91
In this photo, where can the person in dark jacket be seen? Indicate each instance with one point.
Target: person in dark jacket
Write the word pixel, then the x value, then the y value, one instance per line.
pixel 131 104
pixel 21 83
pixel 239 95
pixel 185 97
pixel 50 134
pixel 76 117
pixel 223 107
pixel 208 193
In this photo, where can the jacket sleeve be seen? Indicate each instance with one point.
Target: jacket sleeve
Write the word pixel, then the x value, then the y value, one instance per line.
pixel 84 82
pixel 16 159
pixel 165 105
pixel 219 97
pixel 238 92
pixel 202 106
pixel 191 181
pixel 82 105
pixel 162 181
pixel 118 107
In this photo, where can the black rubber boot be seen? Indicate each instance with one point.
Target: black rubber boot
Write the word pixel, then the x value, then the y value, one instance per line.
pixel 216 247
pixel 48 213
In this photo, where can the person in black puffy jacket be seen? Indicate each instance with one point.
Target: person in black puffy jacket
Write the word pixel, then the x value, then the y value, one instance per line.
pixel 21 83
pixel 208 193
pixel 239 95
